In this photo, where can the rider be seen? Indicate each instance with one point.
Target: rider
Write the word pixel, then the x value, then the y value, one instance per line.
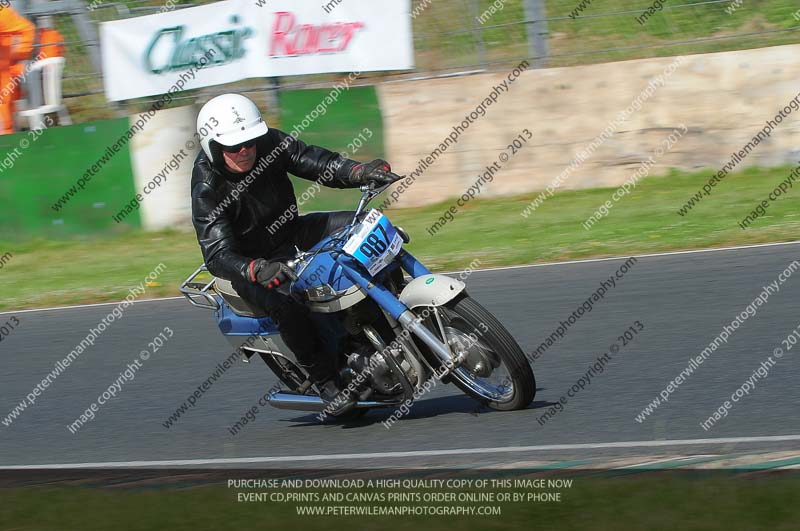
pixel 244 211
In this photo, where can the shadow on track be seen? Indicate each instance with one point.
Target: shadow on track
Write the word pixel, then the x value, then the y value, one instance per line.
pixel 421 409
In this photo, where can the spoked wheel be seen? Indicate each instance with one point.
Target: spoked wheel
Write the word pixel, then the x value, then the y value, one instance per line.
pixel 495 371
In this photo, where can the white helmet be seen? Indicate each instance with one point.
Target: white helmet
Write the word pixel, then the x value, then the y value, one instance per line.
pixel 228 119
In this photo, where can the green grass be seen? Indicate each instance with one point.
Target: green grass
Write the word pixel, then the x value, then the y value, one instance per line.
pixel 679 24
pixel 569 40
pixel 644 221
pixel 44 273
pixel 652 502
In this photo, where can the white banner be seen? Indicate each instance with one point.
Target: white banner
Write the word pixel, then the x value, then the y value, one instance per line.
pixel 233 40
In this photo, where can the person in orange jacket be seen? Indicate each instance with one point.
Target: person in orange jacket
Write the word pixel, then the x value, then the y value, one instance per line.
pixel 16 43
pixel 50 40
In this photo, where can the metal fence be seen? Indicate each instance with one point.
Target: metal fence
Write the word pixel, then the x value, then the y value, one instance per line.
pixel 459 37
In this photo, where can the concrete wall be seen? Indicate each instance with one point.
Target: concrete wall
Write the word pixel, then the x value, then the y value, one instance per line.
pixel 163 153
pixel 723 98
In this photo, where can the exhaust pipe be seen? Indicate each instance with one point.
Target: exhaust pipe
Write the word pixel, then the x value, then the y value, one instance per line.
pixel 300 402
pixel 314 403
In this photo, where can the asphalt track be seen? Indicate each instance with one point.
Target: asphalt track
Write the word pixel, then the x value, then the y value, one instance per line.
pixel 683 300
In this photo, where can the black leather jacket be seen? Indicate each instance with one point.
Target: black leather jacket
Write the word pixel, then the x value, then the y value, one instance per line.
pixel 233 231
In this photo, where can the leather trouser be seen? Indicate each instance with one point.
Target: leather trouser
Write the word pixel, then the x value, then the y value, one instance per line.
pixel 300 330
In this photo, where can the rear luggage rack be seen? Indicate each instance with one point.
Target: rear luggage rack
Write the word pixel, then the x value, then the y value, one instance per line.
pixel 198 292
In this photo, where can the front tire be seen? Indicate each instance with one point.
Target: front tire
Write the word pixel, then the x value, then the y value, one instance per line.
pixel 464 321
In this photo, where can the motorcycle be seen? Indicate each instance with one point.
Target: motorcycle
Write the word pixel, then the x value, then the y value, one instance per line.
pixel 390 335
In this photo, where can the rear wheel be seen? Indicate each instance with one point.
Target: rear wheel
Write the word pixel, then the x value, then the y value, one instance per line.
pixel 495 371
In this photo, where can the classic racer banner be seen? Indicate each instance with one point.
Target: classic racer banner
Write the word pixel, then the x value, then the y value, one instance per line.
pixel 236 39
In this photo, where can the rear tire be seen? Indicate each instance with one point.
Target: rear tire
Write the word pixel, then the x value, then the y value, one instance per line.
pixel 470 317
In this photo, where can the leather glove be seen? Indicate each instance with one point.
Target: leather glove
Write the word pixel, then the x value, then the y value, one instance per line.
pixel 377 171
pixel 268 274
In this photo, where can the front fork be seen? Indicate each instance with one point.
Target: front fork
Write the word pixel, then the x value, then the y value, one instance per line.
pixel 399 311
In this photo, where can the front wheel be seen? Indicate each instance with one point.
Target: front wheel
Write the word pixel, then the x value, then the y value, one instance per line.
pixel 495 371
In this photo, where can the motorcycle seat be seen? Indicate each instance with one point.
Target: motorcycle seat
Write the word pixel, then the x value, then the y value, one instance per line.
pixel 236 303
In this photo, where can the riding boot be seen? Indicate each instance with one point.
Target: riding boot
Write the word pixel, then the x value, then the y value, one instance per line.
pixel 338 400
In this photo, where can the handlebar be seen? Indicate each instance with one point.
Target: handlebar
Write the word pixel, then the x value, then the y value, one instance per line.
pixel 368 192
pixel 391 175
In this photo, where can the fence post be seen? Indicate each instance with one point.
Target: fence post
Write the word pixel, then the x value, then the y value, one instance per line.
pixel 537 32
pixel 477 33
pixel 87 31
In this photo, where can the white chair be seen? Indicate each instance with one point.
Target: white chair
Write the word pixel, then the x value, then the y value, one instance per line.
pixel 51 70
